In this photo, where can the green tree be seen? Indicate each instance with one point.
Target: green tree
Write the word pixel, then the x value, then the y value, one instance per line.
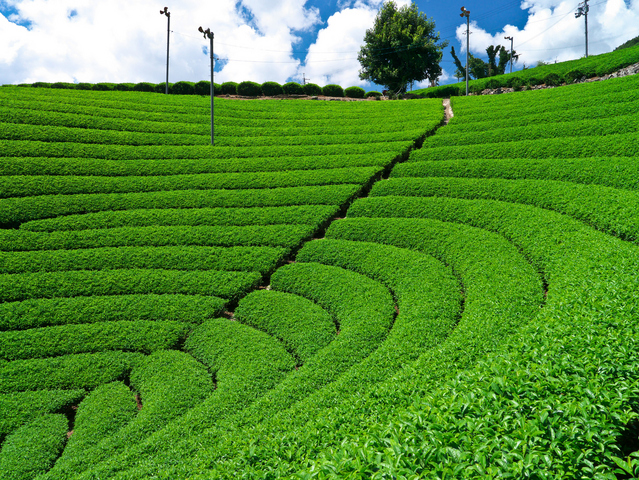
pixel 401 48
pixel 480 69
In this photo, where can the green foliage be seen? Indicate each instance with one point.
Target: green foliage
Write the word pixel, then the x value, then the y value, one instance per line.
pixel 373 93
pixel 124 87
pixel 408 44
pixel 21 408
pixel 293 88
pixel 103 87
pixel 228 88
pixel 355 92
pixel 301 325
pixel 43 312
pixel 69 372
pixel 140 336
pixel 312 89
pixel 553 80
pixel 271 89
pixel 144 87
pixel 203 87
pixel 183 88
pixel 332 90
pixel 630 43
pixel 83 86
pixel 33 448
pixel 249 89
pixel 63 85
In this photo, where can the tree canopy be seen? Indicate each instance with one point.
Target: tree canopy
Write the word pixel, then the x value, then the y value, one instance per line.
pixel 401 48
pixel 477 68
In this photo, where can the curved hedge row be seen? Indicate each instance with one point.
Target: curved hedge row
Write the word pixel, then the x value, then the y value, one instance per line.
pixel 44 312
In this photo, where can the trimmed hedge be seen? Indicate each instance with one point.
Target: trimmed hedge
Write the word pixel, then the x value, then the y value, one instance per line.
pixel 44 312
pixel 34 208
pixel 293 88
pixel 271 89
pixel 287 236
pixel 102 413
pixel 249 89
pixel 312 89
pixel 332 90
pixel 301 325
pixel 355 92
pixel 230 285
pixel 228 88
pixel 144 87
pixel 84 371
pixel 303 214
pixel 140 336
pixel 256 259
pixel 17 409
pixel 33 448
pixel 373 93
pixel 183 88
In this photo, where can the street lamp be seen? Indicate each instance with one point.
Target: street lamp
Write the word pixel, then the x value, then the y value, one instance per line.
pixel 209 34
pixel 168 32
pixel 466 13
pixel 511 52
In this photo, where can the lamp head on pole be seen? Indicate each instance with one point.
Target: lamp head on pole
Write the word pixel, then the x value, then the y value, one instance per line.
pixel 207 33
pixel 165 12
pixel 465 13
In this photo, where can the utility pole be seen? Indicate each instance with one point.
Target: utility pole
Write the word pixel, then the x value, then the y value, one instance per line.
pixel 583 9
pixel 209 34
pixel 466 13
pixel 304 79
pixel 168 33
pixel 511 52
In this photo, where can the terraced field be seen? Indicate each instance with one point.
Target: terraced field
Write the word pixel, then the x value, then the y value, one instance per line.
pixel 473 316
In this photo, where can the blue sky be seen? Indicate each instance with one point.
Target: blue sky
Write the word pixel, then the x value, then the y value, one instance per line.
pixel 125 41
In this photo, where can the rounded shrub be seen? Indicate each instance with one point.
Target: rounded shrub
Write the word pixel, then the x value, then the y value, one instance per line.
pixel 203 87
pixel 103 87
pixel 41 85
pixel 83 86
pixel 293 88
pixel 183 88
pixel 270 89
pixel 124 87
pixel 144 87
pixel 332 90
pixel 312 89
pixel 553 80
pixel 515 83
pixel 476 88
pixel 373 93
pixel 159 88
pixel 249 89
pixel 355 92
pixel 532 81
pixel 229 88
pixel 63 85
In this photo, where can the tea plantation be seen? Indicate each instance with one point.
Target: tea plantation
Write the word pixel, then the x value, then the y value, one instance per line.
pixel 316 296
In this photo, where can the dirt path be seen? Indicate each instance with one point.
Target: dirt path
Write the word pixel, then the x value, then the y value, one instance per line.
pixel 448 111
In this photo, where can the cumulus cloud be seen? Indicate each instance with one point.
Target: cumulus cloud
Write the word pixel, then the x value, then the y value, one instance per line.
pixel 333 56
pixel 552 33
pixel 124 41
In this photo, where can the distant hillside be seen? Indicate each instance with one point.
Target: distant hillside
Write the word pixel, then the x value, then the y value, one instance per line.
pixel 628 44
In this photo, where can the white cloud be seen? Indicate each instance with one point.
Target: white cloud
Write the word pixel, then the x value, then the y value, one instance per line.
pixel 552 33
pixel 125 41
pixel 333 56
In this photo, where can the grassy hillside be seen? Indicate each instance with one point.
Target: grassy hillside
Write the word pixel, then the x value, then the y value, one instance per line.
pixel 474 315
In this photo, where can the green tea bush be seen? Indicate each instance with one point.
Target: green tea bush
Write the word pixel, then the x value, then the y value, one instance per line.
pixel 228 88
pixel 301 325
pixel 43 312
pixel 144 87
pixel 373 93
pixel 331 90
pixel 83 86
pixel 293 88
pixel 553 80
pixel 183 88
pixel 161 87
pixel 249 89
pixel 68 372
pixel 574 76
pixel 271 89
pixel 312 89
pixel 124 87
pixel 65 85
pixel 104 87
pixel 33 448
pixel 203 87
pixel 355 92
